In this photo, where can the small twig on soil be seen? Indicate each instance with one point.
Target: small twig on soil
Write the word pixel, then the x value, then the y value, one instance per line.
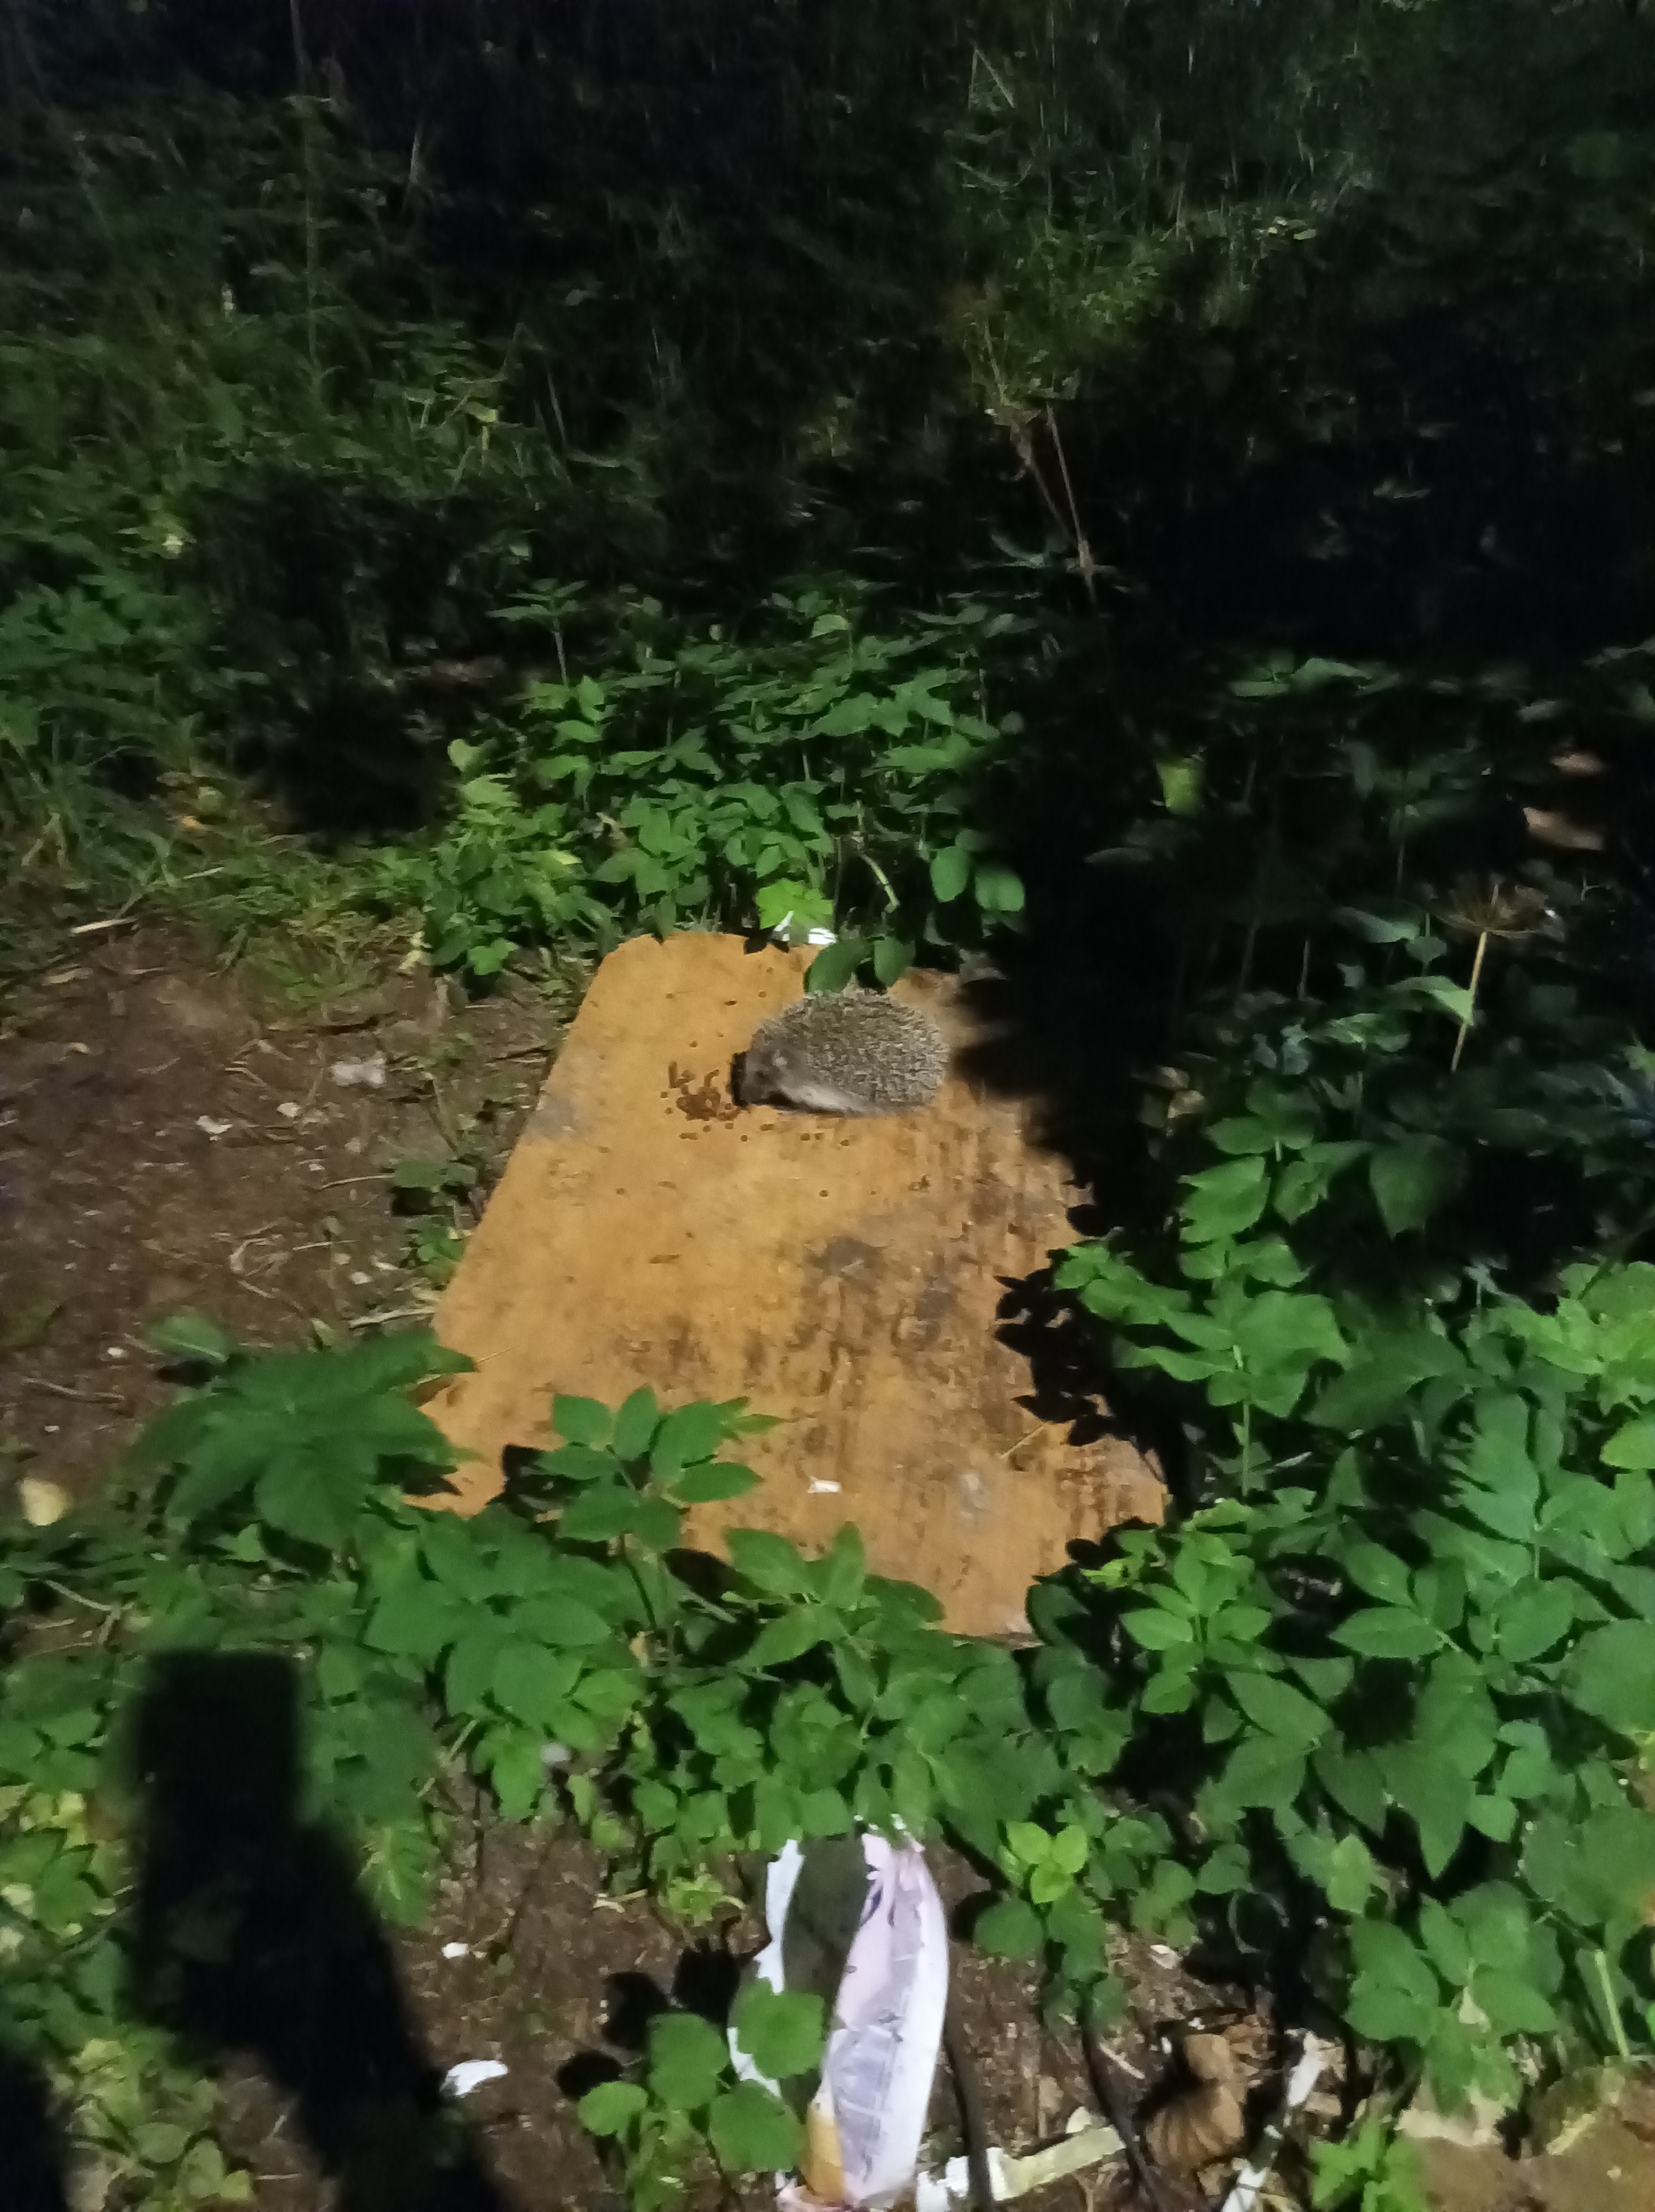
pixel 63 1390
pixel 382 1319
pixel 1012 1450
pixel 80 1597
pixel 981 2192
pixel 339 1182
pixel 254 1236
pixel 91 928
pixel 497 1945
pixel 440 1115
pixel 1117 2111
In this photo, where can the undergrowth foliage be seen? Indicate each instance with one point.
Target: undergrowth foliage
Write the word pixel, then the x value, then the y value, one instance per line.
pixel 827 766
pixel 551 1647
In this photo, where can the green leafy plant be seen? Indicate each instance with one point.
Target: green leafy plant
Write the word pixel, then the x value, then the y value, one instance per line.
pixel 1373 2171
pixel 686 2103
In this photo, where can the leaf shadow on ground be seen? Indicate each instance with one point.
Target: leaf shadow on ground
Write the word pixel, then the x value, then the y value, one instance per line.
pixel 251 1937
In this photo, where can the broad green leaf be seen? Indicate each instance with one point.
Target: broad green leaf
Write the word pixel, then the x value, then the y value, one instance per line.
pixel 769 1562
pixel 415 1618
pixel 835 964
pixel 469 1674
pixel 751 2131
pixel 608 2109
pixel 1532 1619
pixel 160 2142
pixel 601 1514
pixel 1610 1674
pixel 634 1425
pixel 581 1463
pixel 690 1434
pixel 512 1757
pixel 1444 1942
pixel 1513 2005
pixel 1632 1446
pixel 560 1621
pixel 712 1481
pixel 1386 2014
pixel 1276 1705
pixel 951 872
pixel 783 2032
pixel 1388 1632
pixel 1375 1572
pixel 1412 1179
pixel 581 1420
pixel 1374 1388
pixel 191 1340
pixel 1263 1770
pixel 1436 1795
pixel 998 889
pixel 1029 1843
pixel 892 958
pixel 531 1683
pixel 1183 780
pixel 789 1636
pixel 1156 1629
pixel 1222 1201
pixel 305 1496
pixel 1350 1875
pixel 687 2060
pixel 1009 1929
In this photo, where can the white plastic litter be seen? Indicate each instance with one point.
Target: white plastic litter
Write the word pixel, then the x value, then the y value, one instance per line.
pixel 866 2120
pixel 456 1950
pixel 366 1074
pixel 209 1126
pixel 1010 2178
pixel 471 2074
pixel 782 932
pixel 819 1486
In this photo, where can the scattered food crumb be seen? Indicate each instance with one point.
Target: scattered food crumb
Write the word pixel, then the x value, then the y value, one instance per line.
pixel 456 1950
pixel 290 1109
pixel 210 1127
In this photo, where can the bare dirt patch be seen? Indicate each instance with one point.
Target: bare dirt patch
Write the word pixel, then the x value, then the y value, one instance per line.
pixel 169 1138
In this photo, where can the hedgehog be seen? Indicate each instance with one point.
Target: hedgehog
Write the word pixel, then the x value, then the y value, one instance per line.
pixel 844 1052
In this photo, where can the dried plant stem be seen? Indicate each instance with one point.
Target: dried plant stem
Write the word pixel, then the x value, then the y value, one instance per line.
pixel 1470 1010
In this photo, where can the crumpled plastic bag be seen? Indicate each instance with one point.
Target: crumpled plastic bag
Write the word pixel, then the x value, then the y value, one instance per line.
pixel 864 2124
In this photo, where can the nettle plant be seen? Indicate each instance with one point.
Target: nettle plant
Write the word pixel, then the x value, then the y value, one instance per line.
pixel 825 767
pixel 1397 1667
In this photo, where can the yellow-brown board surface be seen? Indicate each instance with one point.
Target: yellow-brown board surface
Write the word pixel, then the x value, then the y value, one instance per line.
pixel 843 1274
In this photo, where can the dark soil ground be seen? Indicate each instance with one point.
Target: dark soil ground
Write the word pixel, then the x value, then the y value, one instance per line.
pixel 173 1136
